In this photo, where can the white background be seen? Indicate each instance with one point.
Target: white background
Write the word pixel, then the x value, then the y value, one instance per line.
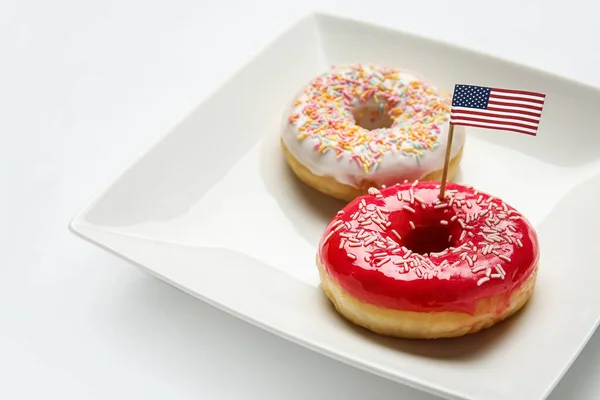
pixel 84 88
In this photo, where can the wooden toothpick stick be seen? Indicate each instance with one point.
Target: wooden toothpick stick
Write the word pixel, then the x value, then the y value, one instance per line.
pixel 446 162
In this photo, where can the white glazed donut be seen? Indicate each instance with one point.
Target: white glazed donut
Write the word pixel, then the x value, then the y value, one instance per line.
pixel 359 126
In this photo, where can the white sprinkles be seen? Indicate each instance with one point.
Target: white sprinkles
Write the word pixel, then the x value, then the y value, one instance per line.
pixel 371 225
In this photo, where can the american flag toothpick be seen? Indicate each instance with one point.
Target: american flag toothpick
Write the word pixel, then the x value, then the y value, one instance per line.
pixel 492 108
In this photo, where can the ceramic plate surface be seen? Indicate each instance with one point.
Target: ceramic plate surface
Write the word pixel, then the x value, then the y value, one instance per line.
pixel 232 226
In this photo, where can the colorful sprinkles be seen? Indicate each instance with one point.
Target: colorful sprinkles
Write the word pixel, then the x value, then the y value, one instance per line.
pixel 326 112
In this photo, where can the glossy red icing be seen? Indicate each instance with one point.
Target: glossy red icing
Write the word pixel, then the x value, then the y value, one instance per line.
pixel 456 254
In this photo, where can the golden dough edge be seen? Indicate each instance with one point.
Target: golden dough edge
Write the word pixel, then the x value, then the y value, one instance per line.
pixel 425 325
pixel 331 187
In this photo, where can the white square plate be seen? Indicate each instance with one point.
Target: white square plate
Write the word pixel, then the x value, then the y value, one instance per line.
pixel 213 209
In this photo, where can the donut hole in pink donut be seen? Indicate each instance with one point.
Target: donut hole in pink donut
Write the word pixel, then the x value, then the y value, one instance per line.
pixel 372 116
pixel 428 239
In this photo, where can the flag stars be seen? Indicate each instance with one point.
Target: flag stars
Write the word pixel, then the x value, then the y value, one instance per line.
pixel 471 96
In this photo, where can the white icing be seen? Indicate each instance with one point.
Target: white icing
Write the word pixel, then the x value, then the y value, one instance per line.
pixel 395 165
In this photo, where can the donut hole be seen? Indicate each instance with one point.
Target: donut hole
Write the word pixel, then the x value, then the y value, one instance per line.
pixel 372 117
pixel 428 239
